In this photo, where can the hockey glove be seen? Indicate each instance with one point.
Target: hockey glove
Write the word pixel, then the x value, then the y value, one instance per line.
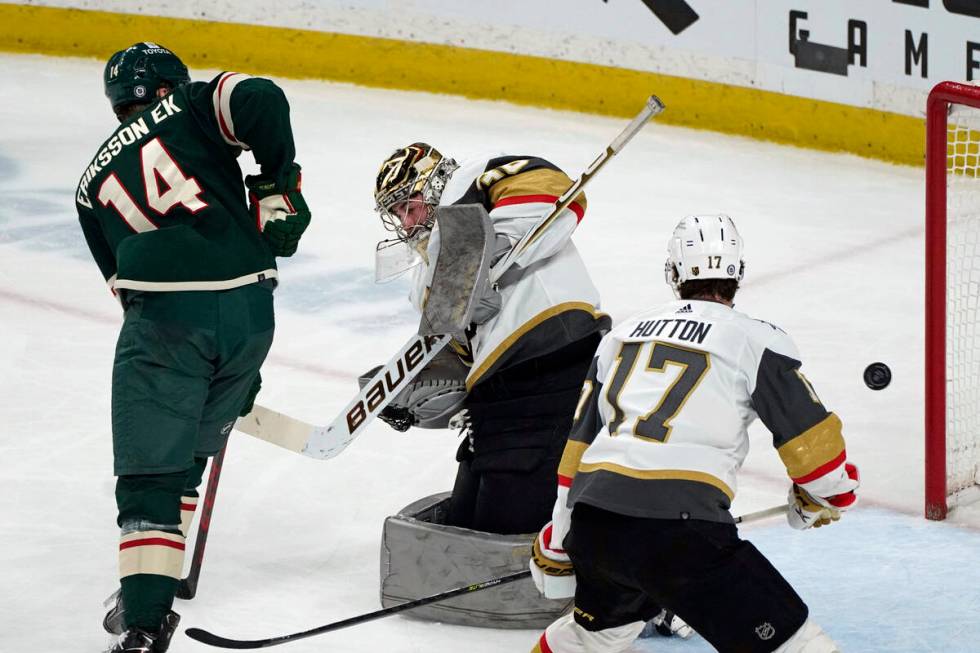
pixel 551 568
pixel 280 211
pixel 667 624
pixel 807 510
pixel 252 393
pixel 397 417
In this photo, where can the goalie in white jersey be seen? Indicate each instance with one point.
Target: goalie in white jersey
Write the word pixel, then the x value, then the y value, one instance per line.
pixel 649 470
pixel 533 334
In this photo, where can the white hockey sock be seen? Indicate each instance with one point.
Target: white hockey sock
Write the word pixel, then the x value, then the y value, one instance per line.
pixel 566 636
pixel 187 507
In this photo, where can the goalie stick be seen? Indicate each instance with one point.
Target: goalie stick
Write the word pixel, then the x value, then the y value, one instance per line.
pixel 324 442
pixel 211 639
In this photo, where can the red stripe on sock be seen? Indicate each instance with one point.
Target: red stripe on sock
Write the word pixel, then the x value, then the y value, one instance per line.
pixel 543 643
pixel 151 541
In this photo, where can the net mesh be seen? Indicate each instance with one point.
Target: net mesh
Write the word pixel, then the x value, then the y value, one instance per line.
pixel 963 301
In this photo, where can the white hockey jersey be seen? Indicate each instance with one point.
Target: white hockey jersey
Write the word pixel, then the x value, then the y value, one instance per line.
pixel 661 427
pixel 548 298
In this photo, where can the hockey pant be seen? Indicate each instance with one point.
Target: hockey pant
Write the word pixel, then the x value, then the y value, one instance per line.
pixel 628 568
pixel 519 419
pixel 184 364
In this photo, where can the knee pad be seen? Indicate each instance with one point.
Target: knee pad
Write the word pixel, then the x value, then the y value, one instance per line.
pixel 810 638
pixel 421 555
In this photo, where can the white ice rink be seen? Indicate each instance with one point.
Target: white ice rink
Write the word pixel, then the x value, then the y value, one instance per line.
pixel 834 255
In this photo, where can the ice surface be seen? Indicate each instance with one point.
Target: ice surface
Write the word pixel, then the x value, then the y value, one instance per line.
pixel 834 256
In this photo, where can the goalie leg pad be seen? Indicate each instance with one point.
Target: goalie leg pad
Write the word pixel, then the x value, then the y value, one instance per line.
pixel 420 556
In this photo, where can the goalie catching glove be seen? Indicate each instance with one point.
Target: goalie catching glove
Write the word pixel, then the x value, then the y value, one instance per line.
pixel 431 399
pixel 807 509
pixel 551 568
pixel 280 211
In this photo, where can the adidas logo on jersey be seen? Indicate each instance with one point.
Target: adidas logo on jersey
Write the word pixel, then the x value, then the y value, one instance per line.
pixel 685 309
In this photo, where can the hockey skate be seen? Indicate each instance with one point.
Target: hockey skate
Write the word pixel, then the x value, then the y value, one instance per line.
pixel 137 640
pixel 113 620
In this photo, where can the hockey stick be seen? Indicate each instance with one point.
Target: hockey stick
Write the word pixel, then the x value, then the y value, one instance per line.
pixel 188 586
pixel 762 514
pixel 323 442
pixel 211 639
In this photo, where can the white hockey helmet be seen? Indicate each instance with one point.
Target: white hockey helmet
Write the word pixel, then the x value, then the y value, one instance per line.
pixel 704 247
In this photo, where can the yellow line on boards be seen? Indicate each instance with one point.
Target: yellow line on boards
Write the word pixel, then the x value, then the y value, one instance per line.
pixel 482 74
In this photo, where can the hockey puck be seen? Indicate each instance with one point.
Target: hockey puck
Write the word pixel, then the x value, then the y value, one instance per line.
pixel 877 376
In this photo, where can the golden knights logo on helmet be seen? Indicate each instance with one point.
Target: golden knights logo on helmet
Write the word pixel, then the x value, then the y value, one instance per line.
pixel 414 173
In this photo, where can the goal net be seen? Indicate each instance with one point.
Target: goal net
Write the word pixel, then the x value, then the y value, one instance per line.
pixel 952 364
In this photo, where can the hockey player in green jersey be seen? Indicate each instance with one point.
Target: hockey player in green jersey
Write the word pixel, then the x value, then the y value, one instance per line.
pixel 163 209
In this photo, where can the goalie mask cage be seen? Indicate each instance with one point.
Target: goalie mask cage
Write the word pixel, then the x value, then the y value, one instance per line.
pixel 952 347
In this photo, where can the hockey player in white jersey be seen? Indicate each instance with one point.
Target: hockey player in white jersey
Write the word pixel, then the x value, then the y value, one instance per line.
pixel 533 335
pixel 648 474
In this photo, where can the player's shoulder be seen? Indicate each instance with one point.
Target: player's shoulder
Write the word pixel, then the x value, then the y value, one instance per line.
pixel 763 335
pixel 470 168
pixel 229 82
pixel 507 163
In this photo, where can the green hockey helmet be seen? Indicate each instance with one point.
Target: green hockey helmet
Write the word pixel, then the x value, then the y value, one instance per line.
pixel 133 75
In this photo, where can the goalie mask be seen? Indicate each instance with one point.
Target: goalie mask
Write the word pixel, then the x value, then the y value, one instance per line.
pixel 134 75
pixel 704 247
pixel 409 185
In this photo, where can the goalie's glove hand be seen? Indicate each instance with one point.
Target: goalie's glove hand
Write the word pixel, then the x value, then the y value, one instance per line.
pixel 551 568
pixel 808 510
pixel 252 393
pixel 280 210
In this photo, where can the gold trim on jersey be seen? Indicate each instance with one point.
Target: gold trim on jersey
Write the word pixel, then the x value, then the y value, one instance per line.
pixel 516 335
pixel 816 446
pixel 543 181
pixel 571 458
pixel 659 475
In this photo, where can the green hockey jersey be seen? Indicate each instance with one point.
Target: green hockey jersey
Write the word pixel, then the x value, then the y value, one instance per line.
pixel 163 205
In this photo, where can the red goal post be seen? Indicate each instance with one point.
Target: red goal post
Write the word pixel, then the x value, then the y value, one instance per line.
pixel 952 329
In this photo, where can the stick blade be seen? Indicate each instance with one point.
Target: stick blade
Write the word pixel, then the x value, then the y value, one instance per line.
pixel 185 590
pixel 211 639
pixel 462 266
